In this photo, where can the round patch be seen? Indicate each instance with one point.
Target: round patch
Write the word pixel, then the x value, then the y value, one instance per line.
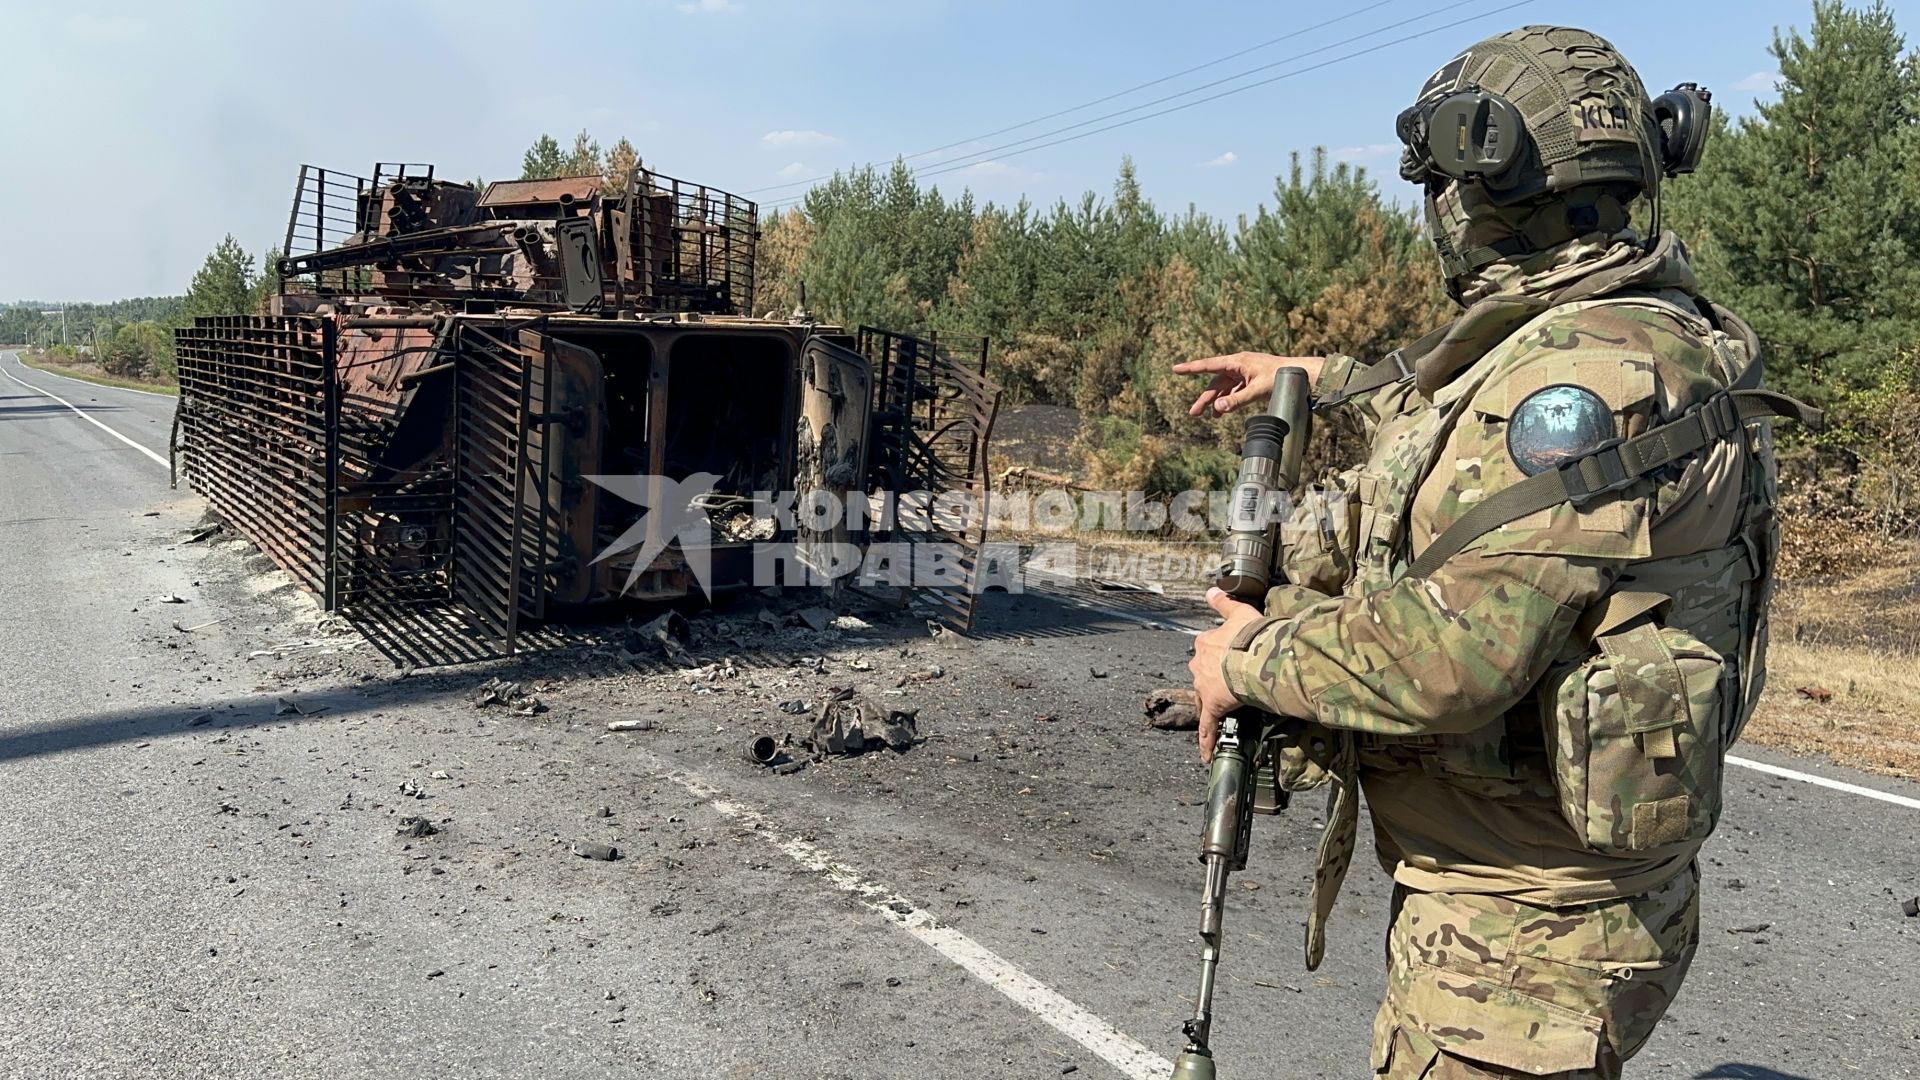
pixel 1555 425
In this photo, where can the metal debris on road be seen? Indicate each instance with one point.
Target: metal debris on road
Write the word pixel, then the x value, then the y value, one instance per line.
pixel 413 789
pixel 593 849
pixel 498 691
pixel 629 725
pixel 670 633
pixel 416 827
pixel 763 750
pixel 1173 708
pixel 706 673
pixel 851 724
pixel 815 618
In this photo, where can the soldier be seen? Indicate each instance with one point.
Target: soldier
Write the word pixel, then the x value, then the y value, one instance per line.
pixel 1530 624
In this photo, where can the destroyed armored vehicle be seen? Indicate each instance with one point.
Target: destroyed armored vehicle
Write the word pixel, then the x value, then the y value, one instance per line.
pixel 411 430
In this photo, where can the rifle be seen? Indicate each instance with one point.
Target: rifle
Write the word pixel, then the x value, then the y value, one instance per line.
pixel 1242 782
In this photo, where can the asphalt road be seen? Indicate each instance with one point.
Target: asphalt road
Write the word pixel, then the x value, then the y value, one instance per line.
pixel 203 877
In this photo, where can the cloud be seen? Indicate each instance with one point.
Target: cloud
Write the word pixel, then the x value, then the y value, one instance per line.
pixel 706 7
pixel 1759 82
pixel 1369 152
pixel 798 139
pixel 1220 162
pixel 795 170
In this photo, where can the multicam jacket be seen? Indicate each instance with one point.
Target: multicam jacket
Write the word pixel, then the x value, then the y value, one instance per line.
pixel 1544 715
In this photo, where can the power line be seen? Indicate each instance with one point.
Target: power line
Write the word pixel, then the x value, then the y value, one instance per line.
pixel 941 168
pixel 1109 97
pixel 1210 85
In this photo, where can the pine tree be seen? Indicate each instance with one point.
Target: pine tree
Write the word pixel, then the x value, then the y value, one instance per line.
pixel 584 159
pixel 543 160
pixel 1801 217
pixel 780 258
pixel 224 284
pixel 269 284
pixel 621 161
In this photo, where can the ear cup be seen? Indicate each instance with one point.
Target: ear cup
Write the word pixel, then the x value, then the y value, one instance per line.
pixel 1685 116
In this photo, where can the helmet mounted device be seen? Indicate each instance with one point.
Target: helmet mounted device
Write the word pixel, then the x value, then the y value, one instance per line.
pixel 1462 134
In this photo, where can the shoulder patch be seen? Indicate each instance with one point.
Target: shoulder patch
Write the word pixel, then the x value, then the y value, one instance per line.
pixel 1556 424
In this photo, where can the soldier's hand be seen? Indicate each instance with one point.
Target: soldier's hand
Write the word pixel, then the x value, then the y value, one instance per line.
pixel 1242 377
pixel 1209 655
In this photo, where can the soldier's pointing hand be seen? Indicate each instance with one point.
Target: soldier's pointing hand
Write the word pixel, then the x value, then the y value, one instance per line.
pixel 1242 377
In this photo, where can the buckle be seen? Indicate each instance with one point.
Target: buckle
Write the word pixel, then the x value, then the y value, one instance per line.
pixel 1398 356
pixel 1718 417
pixel 1579 491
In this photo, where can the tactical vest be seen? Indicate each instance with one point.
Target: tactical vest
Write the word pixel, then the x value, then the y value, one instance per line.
pixel 1629 728
pixel 1634 768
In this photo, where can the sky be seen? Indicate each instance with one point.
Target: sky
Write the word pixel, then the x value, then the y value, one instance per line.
pixel 134 136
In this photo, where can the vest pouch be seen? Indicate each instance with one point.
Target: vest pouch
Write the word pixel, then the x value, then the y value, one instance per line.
pixel 1635 739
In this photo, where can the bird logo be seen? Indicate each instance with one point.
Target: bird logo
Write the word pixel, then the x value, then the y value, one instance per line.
pixel 674 512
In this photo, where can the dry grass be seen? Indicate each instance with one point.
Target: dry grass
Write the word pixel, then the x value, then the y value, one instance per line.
pixel 92 373
pixel 1871 721
pixel 1856 637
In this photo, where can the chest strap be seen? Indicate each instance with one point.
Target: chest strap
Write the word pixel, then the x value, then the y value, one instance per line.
pixel 1395 367
pixel 1614 466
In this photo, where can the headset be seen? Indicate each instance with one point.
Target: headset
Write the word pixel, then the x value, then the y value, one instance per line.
pixel 1685 116
pixel 1473 134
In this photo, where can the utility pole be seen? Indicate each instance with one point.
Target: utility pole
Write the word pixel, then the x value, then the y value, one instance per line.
pixel 63 322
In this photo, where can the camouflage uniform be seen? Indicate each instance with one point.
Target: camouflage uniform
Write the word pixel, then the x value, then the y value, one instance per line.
pixel 1538 723
pixel 1568 955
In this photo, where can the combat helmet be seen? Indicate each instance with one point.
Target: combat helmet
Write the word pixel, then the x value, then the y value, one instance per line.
pixel 1537 136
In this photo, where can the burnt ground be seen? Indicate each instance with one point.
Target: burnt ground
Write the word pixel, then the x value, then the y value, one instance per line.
pixel 201 838
pixel 1037 436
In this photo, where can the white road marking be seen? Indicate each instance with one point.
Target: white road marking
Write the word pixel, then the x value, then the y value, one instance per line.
pixel 1745 763
pixel 1837 785
pixel 1128 1056
pixel 157 459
